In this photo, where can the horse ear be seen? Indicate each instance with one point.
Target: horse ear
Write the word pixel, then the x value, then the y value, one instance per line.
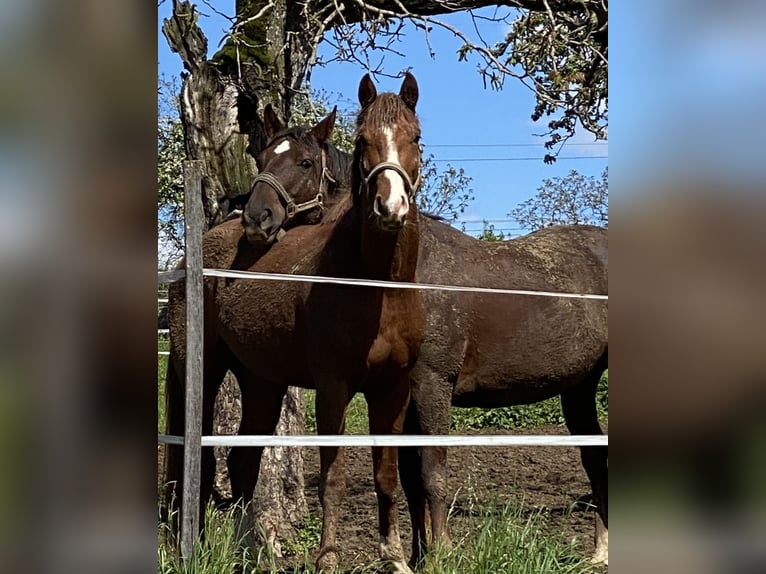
pixel 271 122
pixel 367 91
pixel 409 91
pixel 323 129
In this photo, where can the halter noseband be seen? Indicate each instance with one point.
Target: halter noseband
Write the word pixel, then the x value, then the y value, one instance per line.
pixel 384 165
pixel 292 208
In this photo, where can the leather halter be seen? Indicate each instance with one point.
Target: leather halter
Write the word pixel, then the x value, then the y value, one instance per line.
pixel 384 165
pixel 292 208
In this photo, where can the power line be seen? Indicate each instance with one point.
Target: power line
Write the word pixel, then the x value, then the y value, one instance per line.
pixel 466 159
pixel 492 229
pixel 482 220
pixel 512 144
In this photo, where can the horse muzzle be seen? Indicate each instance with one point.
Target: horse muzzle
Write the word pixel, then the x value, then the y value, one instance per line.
pixel 262 231
pixel 391 215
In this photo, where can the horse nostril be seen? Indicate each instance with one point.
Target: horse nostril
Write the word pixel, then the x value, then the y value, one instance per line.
pixel 265 216
pixel 379 208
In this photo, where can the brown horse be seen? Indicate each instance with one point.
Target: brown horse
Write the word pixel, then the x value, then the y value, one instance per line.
pixel 304 172
pixel 321 169
pixel 339 340
pixel 500 350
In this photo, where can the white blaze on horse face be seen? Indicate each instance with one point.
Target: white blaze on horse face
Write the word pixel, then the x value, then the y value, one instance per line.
pixel 283 146
pixel 397 202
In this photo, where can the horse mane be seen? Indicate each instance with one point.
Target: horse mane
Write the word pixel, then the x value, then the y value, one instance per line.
pixel 298 133
pixel 340 163
pixel 386 109
pixel 434 216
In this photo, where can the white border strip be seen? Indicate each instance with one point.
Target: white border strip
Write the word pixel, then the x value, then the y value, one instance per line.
pixel 374 283
pixel 395 440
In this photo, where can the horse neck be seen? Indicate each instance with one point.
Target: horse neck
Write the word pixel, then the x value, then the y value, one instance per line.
pixel 340 163
pixel 389 256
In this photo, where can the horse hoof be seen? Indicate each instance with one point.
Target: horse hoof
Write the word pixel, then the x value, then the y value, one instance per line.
pixel 601 555
pixel 400 568
pixel 600 558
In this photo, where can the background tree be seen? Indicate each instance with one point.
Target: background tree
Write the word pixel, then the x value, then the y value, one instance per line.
pixel 170 155
pixel 571 199
pixel 489 233
pixel 445 194
pixel 556 48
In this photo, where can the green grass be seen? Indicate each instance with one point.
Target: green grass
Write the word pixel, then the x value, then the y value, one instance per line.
pixel 306 538
pixel 356 414
pixel 525 416
pixel 498 540
pixel 504 540
pixel 221 550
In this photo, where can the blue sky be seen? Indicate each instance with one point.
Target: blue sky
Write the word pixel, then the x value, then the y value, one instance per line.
pixel 454 109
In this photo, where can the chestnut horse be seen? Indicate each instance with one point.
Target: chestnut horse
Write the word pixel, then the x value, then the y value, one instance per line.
pixel 338 340
pixel 499 350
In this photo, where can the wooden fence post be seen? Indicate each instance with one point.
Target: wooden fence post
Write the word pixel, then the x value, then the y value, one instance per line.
pixel 193 223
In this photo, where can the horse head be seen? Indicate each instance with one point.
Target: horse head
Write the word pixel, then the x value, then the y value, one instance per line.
pixel 387 155
pixel 293 181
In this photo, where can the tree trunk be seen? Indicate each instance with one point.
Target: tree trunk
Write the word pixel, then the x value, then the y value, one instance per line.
pixel 279 504
pixel 220 111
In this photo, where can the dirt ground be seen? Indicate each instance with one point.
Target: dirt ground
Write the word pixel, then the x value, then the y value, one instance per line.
pixel 545 478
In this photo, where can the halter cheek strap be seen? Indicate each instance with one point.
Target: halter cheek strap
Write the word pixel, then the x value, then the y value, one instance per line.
pixel 382 166
pixel 292 208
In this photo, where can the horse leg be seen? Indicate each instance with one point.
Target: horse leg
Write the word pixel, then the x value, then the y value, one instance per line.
pixel 215 366
pixel 431 396
pixel 410 469
pixel 331 403
pixel 174 413
pixel 261 406
pixel 387 408
pixel 434 474
pixel 579 407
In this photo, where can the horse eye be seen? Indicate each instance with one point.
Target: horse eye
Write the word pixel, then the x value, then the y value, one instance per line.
pixel 306 163
pixel 417 139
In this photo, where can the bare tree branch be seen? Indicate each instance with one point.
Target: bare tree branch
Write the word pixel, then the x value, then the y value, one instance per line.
pixel 557 49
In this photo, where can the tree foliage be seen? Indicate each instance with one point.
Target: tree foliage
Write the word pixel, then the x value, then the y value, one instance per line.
pixel 572 199
pixel 309 111
pixel 171 153
pixel 445 193
pixel 564 56
pixel 489 233
pixel 556 48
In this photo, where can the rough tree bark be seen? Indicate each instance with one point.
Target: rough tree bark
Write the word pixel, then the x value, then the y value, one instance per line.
pixel 223 129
